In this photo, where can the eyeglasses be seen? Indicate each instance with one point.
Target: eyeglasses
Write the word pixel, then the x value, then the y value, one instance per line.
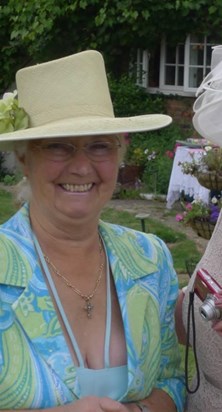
pixel 99 151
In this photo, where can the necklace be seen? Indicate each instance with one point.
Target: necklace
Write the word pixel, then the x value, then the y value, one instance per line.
pixel 88 307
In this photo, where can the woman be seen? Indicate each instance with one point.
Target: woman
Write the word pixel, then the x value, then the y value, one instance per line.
pixel 208 344
pixel 87 307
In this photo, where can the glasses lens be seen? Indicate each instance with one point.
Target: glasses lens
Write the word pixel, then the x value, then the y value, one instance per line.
pixel 58 151
pixel 100 151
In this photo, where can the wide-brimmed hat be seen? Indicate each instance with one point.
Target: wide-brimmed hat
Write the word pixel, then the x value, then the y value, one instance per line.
pixel 207 119
pixel 70 97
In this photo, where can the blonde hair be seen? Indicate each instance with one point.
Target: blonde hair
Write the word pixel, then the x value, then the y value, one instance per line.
pixel 22 190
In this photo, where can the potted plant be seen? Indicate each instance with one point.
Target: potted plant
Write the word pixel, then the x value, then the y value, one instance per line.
pixel 207 169
pixel 132 169
pixel 200 216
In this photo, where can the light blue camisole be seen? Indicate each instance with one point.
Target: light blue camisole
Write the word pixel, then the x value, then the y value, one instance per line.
pixel 109 381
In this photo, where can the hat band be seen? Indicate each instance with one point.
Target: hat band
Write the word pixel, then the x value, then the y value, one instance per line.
pixel 76 111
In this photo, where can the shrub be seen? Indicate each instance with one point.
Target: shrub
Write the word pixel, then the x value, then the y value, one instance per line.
pixel 157 172
pixel 9 180
pixel 3 170
pixel 130 100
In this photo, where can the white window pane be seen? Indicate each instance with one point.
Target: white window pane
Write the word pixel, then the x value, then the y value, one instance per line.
pixel 197 55
pixel 195 76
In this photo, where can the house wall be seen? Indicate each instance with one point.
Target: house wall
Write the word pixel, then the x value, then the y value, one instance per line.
pixel 181 110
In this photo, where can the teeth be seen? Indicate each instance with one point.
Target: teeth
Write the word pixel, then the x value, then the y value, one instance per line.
pixel 77 188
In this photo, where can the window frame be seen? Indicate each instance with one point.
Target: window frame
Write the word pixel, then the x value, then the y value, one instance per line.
pixel 142 66
pixel 204 66
pixel 163 65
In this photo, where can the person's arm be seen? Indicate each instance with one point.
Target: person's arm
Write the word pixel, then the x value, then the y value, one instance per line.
pixel 171 378
pixel 157 401
pixel 180 330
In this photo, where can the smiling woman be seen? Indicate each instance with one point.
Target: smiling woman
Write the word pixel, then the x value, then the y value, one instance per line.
pixel 87 307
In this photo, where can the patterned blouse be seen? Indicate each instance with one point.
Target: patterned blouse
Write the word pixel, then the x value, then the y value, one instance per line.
pixel 36 367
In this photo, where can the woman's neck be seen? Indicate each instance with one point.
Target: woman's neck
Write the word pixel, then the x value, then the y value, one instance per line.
pixel 62 238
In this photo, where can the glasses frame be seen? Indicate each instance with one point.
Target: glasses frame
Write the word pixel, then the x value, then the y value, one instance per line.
pixel 113 146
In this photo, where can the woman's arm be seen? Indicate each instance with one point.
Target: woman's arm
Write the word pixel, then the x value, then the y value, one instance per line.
pixel 180 330
pixel 157 401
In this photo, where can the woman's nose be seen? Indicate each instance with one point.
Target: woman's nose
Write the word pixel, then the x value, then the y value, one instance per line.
pixel 79 161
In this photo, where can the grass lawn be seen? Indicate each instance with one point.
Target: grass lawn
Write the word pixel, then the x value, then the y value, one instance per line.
pixel 178 243
pixel 180 246
pixel 7 207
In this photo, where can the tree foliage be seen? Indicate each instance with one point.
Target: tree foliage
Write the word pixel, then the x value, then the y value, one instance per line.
pixel 34 31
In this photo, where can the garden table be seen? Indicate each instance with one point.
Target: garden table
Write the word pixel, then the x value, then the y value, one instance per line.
pixel 181 183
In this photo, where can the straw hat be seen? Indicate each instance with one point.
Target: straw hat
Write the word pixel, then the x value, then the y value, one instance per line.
pixel 207 119
pixel 70 97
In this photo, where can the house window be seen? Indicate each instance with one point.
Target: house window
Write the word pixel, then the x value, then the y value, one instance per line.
pixel 174 65
pixel 142 67
pixel 183 67
pixel 177 69
pixel 199 59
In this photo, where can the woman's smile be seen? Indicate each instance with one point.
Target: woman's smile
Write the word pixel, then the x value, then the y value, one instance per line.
pixel 75 188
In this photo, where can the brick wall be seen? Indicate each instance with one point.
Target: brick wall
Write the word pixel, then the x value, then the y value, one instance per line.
pixel 181 110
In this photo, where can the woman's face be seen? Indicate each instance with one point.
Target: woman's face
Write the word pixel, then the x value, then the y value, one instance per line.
pixel 69 182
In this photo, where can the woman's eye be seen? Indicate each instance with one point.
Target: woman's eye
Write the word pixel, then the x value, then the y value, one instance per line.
pixel 57 147
pixel 99 146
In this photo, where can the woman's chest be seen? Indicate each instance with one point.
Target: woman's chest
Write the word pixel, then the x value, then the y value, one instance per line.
pixel 98 336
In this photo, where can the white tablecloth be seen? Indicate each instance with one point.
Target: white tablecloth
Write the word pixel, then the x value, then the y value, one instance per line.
pixel 180 182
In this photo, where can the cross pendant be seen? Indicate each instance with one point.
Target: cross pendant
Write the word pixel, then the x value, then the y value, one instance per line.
pixel 88 307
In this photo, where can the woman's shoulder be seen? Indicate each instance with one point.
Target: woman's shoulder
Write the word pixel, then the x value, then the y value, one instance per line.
pixel 120 230
pixel 150 243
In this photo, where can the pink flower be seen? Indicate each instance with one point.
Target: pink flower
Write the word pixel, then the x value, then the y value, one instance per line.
pixel 179 217
pixel 126 138
pixel 189 206
pixel 169 154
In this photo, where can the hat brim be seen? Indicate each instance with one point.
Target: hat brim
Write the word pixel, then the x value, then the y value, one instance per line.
pixel 86 126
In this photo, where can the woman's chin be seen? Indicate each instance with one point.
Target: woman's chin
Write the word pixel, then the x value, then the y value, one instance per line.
pixel 74 213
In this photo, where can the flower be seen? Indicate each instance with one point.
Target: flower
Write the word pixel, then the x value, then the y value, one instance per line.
pixel 209 161
pixel 150 156
pixel 12 117
pixel 200 211
pixel 138 157
pixel 170 154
